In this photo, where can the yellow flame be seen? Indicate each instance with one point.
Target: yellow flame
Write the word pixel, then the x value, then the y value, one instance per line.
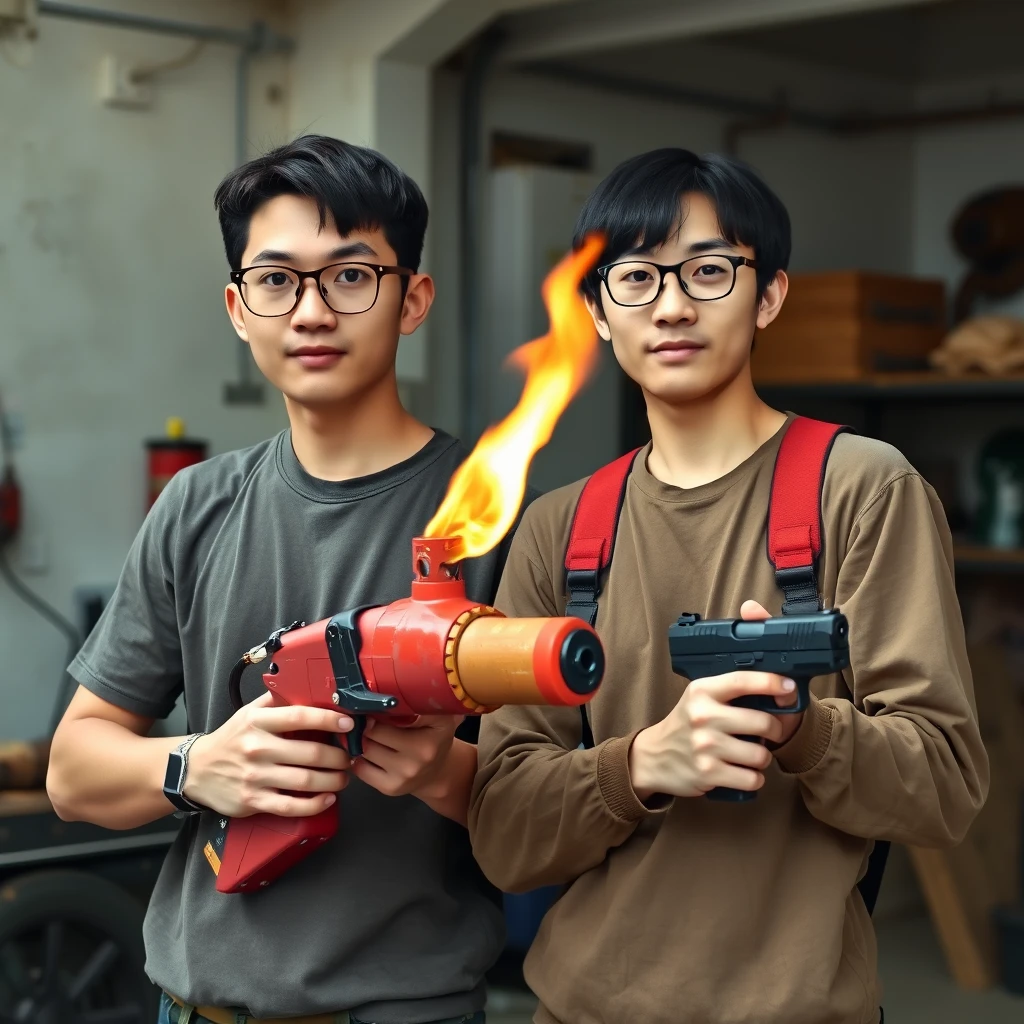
pixel 486 491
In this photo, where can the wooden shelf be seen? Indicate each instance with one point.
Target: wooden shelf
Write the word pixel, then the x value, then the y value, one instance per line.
pixel 975 558
pixel 16 802
pixel 884 386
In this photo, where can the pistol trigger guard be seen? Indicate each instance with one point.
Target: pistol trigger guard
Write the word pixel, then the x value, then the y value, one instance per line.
pixel 802 700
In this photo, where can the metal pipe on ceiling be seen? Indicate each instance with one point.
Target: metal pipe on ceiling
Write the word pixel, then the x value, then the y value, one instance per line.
pixel 471 179
pixel 145 23
pixel 756 115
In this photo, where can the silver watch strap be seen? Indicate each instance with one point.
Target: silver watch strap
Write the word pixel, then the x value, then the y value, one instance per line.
pixel 182 749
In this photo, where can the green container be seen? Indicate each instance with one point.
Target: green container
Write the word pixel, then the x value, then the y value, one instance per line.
pixel 1000 470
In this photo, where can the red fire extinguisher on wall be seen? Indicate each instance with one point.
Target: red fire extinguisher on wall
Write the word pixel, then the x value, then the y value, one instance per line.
pixel 170 454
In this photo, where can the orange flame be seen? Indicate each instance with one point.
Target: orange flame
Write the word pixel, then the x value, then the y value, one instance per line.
pixel 486 491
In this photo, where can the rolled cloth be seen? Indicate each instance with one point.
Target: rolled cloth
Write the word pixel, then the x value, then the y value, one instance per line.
pixel 992 344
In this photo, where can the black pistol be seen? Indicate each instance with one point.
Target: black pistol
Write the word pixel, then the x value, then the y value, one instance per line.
pixel 797 646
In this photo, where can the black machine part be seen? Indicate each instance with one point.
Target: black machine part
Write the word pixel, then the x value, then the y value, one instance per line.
pixel 72 946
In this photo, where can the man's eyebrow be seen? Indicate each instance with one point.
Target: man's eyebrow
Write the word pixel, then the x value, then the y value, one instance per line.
pixel 704 245
pixel 710 245
pixel 342 252
pixel 273 256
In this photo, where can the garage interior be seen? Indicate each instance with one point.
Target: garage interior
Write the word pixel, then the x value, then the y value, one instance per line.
pixel 894 133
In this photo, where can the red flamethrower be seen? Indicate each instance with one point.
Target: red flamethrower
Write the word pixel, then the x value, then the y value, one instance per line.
pixel 434 653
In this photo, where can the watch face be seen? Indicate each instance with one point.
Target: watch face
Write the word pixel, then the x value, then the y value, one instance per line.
pixel 172 778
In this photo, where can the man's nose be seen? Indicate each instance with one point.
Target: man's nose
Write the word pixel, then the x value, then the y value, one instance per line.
pixel 673 304
pixel 312 309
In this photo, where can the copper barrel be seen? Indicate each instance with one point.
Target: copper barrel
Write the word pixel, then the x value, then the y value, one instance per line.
pixel 558 661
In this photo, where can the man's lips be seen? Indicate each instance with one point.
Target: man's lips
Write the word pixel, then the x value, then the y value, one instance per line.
pixel 676 351
pixel 677 346
pixel 317 356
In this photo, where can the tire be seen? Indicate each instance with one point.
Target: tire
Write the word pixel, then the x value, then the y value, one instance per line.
pixel 71 952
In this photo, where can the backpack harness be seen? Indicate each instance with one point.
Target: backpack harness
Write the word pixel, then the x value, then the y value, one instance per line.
pixel 794 544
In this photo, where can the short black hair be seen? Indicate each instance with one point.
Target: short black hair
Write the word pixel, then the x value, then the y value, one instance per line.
pixel 358 187
pixel 637 208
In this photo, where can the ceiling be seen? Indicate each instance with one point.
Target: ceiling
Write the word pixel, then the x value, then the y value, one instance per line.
pixel 915 44
pixel 888 52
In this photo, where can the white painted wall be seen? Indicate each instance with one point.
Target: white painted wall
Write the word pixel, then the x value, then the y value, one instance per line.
pixel 111 309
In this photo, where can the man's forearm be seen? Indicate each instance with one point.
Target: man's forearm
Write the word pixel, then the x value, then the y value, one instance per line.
pixel 103 773
pixel 449 795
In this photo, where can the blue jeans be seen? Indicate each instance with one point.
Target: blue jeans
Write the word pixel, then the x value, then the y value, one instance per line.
pixel 170 1013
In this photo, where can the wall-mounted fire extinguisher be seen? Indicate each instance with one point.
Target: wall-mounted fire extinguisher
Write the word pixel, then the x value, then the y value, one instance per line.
pixel 170 454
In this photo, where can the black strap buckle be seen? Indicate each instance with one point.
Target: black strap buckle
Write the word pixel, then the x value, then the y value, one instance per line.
pixel 800 588
pixel 583 586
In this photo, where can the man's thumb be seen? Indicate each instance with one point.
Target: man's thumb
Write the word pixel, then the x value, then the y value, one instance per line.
pixel 751 610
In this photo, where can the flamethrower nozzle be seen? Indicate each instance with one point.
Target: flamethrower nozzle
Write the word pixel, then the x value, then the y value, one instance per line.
pixel 556 661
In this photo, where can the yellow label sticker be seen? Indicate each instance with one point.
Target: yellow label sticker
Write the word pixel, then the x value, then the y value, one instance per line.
pixel 211 856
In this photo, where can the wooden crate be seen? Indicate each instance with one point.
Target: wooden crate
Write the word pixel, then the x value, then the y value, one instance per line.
pixel 845 325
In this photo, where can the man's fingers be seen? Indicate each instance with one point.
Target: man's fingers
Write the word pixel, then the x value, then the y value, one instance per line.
pixel 286 806
pixel 300 719
pixel 304 780
pixel 731 777
pixel 307 754
pixel 377 754
pixel 371 773
pixel 731 685
pixel 743 753
pixel 732 721
pixel 384 734
pixel 788 699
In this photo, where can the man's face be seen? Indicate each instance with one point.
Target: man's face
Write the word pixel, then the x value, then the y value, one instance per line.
pixel 678 348
pixel 315 355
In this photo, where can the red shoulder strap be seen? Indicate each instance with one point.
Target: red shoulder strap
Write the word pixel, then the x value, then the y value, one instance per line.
pixel 794 520
pixel 592 535
pixel 794 510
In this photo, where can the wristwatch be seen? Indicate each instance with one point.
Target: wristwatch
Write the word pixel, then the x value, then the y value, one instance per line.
pixel 174 779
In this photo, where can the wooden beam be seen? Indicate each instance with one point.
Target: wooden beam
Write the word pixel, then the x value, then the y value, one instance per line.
pixel 962 886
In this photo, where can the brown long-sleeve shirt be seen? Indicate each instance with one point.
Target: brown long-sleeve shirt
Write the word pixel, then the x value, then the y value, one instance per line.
pixel 710 913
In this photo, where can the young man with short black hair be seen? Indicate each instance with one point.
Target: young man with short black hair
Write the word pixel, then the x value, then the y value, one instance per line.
pixel 391 921
pixel 680 909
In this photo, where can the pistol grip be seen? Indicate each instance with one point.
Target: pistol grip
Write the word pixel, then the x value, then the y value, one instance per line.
pixel 723 794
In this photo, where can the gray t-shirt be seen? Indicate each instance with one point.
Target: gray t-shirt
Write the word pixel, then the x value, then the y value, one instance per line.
pixel 391 919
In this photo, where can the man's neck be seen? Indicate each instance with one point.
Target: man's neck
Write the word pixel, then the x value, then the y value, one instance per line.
pixel 365 434
pixel 698 442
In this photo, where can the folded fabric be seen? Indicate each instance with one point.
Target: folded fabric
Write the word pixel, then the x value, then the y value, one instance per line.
pixel 992 344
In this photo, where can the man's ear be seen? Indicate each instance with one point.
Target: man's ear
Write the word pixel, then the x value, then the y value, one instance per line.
pixel 771 302
pixel 597 315
pixel 233 301
pixel 419 297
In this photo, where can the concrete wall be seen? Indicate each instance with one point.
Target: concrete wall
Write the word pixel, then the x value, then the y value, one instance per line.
pixel 111 280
